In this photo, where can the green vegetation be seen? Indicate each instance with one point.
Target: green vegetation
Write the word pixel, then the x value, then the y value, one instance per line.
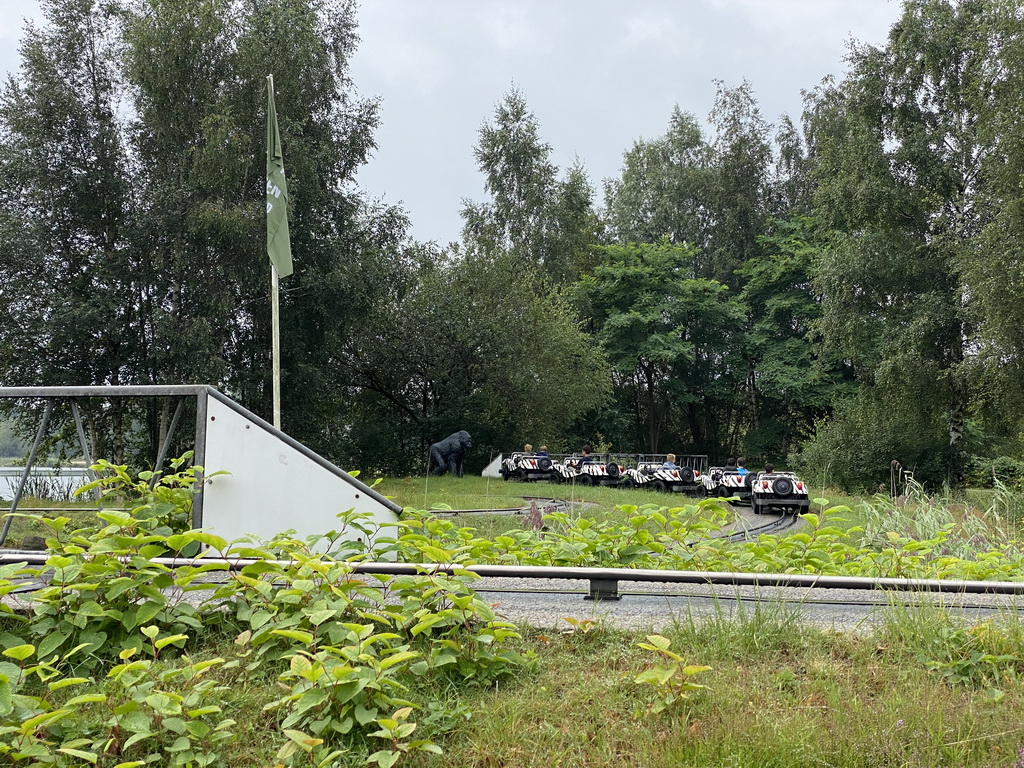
pixel 778 694
pixel 112 665
pixel 120 661
pixel 836 292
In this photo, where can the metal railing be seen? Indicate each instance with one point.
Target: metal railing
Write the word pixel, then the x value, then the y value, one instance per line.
pixel 604 582
pixel 201 393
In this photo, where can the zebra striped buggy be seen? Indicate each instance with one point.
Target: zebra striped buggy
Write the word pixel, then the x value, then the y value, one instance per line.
pixel 529 467
pixel 650 472
pixel 600 469
pixel 727 483
pixel 779 492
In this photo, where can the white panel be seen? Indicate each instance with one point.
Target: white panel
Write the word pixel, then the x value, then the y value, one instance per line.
pixel 272 487
pixel 492 469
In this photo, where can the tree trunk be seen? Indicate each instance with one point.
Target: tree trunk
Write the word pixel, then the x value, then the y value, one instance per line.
pixel 957 417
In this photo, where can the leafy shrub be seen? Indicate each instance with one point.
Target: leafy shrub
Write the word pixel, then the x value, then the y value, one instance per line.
pixel 984 472
pixel 853 449
pixel 144 711
pixel 352 655
pixel 162 504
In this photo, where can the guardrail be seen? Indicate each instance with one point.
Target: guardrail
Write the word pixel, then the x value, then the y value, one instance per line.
pixel 604 582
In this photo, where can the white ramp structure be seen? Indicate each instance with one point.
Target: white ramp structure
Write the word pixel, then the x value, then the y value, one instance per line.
pixel 494 468
pixel 273 483
pixel 258 481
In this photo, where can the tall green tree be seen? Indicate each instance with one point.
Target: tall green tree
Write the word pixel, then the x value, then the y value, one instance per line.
pixel 662 328
pixel 721 194
pixel 791 382
pixel 470 342
pixel 663 188
pixel 545 220
pixel 739 189
pixel 73 295
pixel 901 148
pixel 133 138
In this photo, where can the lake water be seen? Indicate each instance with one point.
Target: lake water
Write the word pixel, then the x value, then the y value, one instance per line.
pixel 55 483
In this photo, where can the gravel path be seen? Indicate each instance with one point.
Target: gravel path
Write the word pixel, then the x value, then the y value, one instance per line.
pixel 644 605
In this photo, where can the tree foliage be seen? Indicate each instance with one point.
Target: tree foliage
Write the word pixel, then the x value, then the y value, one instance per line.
pixel 476 343
pixel 659 325
pixel 845 290
pixel 902 152
pixel 132 143
pixel 546 221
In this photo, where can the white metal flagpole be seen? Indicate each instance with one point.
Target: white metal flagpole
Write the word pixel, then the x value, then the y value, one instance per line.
pixel 275 319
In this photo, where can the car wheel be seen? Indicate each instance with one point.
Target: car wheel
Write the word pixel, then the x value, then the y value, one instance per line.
pixel 687 474
pixel 555 478
pixel 660 485
pixel 783 486
pixel 627 483
pixel 584 480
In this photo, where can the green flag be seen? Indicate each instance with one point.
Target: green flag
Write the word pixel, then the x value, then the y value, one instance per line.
pixel 279 247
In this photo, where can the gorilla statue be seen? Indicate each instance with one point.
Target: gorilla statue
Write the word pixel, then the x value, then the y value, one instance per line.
pixel 446 455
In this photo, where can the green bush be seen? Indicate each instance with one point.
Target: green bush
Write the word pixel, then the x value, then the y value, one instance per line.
pixel 984 472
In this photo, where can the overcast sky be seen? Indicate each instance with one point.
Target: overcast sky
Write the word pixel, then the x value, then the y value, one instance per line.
pixel 598 74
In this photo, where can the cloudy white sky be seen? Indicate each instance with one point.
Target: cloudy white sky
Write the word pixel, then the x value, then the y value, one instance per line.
pixel 597 73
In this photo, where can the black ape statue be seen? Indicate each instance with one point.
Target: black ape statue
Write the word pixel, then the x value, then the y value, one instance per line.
pixel 446 455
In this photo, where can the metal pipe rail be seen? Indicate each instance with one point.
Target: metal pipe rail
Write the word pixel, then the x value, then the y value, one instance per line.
pixel 604 582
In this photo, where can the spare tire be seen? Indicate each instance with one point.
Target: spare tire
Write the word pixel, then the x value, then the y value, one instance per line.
pixel 687 474
pixel 544 464
pixel 748 480
pixel 783 486
pixel 612 469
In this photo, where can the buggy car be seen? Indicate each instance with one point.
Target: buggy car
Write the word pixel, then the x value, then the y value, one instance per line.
pixel 726 482
pixel 778 491
pixel 529 467
pixel 591 470
pixel 650 472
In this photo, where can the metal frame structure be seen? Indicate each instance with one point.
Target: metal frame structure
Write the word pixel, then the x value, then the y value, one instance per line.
pixel 201 392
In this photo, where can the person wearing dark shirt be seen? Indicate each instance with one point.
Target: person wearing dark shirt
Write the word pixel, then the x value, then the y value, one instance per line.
pixel 585 455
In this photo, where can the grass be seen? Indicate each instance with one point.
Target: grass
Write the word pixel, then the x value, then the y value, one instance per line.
pixel 470 493
pixel 493 493
pixel 779 694
pixel 82 514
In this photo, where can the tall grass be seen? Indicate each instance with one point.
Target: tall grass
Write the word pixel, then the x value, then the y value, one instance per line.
pixel 918 515
pixel 779 694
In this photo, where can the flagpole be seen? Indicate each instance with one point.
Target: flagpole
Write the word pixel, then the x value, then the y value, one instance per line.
pixel 278 241
pixel 275 320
